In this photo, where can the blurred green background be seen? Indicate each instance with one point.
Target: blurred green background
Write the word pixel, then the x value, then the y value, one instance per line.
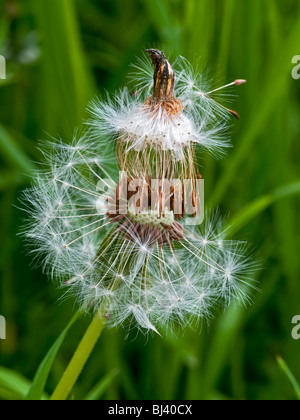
pixel 60 54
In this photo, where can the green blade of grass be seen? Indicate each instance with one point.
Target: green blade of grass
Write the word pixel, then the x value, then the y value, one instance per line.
pixel 225 333
pixel 12 384
pixel 97 392
pixel 14 154
pixel 67 85
pixel 226 34
pixel 284 367
pixel 163 19
pixel 40 379
pixel 250 211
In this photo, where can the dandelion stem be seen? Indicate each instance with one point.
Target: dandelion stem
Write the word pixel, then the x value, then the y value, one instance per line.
pixel 80 358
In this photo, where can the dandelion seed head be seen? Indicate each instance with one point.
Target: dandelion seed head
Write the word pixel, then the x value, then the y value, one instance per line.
pixel 146 267
pixel 150 217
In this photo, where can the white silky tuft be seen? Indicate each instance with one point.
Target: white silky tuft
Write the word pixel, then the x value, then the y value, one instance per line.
pixel 202 122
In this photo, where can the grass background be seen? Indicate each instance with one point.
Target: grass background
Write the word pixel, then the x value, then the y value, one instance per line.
pixel 60 54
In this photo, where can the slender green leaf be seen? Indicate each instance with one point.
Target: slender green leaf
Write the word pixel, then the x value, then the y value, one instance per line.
pixel 223 338
pixel 12 384
pixel 14 154
pixel 250 211
pixel 97 392
pixel 284 367
pixel 66 81
pixel 40 379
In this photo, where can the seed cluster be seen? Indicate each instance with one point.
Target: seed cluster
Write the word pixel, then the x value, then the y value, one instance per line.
pixel 154 212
